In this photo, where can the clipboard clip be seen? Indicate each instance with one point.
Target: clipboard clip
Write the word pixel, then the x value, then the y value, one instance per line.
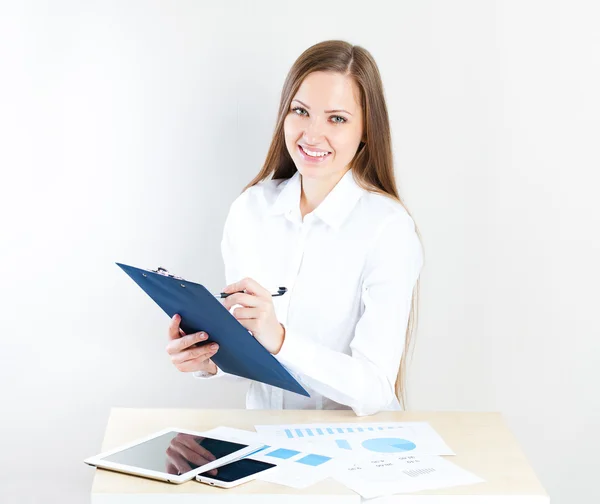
pixel 164 272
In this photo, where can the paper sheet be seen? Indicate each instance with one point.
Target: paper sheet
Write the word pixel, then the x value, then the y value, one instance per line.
pixel 356 439
pixel 375 476
pixel 381 461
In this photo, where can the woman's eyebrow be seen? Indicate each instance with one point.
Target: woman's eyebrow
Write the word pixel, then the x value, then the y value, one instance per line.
pixel 327 111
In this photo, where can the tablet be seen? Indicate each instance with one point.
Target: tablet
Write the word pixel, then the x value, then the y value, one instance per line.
pixel 173 455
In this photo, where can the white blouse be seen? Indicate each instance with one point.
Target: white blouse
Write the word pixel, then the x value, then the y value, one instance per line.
pixel 350 267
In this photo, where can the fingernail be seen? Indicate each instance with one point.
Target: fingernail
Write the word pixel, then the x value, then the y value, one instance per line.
pixel 202 335
pixel 214 346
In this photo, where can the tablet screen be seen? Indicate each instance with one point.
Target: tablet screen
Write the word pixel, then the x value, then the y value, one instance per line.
pixel 238 470
pixel 174 453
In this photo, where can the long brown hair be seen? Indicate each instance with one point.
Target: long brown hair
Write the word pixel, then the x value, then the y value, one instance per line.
pixel 372 166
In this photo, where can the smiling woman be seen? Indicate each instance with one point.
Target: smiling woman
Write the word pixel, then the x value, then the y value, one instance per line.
pixel 346 246
pixel 321 137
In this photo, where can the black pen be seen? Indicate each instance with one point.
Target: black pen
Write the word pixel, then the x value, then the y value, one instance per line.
pixel 280 292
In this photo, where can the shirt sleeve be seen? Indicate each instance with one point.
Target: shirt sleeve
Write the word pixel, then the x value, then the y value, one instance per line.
pixel 365 379
pixel 232 274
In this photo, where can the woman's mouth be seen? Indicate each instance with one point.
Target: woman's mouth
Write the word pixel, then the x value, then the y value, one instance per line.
pixel 312 156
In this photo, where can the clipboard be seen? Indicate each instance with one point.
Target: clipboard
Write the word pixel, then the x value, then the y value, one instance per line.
pixel 239 352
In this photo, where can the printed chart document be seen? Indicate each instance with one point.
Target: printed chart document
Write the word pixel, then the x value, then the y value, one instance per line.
pixel 376 476
pixel 358 439
pixel 374 460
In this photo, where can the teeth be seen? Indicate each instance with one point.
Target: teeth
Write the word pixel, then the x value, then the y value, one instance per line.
pixel 314 154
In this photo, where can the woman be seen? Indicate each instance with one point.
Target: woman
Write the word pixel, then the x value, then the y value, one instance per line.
pixel 323 218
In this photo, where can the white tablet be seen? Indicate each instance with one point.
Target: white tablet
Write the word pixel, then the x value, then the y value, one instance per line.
pixel 173 455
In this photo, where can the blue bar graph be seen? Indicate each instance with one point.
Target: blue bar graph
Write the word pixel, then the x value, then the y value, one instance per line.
pixel 389 445
pixel 313 431
pixel 282 453
pixel 343 444
pixel 313 460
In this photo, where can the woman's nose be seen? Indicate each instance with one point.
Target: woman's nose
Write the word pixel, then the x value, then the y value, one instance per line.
pixel 314 131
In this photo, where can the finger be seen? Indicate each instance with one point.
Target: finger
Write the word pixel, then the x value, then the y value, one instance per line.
pixel 197 354
pixel 242 299
pixel 181 344
pixel 251 324
pixel 249 285
pixel 193 366
pixel 174 327
pixel 241 313
pixel 172 469
pixel 186 342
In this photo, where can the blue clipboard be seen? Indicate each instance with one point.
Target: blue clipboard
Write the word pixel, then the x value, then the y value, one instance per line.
pixel 239 352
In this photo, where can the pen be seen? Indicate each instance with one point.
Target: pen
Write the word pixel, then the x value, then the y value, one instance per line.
pixel 162 271
pixel 280 292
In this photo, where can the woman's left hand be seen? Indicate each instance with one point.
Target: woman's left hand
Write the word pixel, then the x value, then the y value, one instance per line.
pixel 257 313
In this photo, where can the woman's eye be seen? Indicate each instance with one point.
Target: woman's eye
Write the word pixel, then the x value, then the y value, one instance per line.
pixel 296 109
pixel 335 119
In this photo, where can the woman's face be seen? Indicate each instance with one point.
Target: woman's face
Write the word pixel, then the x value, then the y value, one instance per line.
pixel 325 116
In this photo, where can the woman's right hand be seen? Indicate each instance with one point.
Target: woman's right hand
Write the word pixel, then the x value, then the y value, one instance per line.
pixel 185 355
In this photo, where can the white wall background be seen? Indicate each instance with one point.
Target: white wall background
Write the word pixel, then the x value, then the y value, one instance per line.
pixel 127 128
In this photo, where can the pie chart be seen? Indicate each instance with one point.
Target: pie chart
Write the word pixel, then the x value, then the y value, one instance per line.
pixel 388 445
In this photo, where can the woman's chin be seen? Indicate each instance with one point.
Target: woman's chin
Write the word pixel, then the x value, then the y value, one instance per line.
pixel 310 170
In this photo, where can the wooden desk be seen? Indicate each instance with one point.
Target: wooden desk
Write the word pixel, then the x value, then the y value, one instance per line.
pixel 482 443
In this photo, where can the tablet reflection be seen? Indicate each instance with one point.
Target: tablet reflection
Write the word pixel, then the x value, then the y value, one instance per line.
pixel 185 453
